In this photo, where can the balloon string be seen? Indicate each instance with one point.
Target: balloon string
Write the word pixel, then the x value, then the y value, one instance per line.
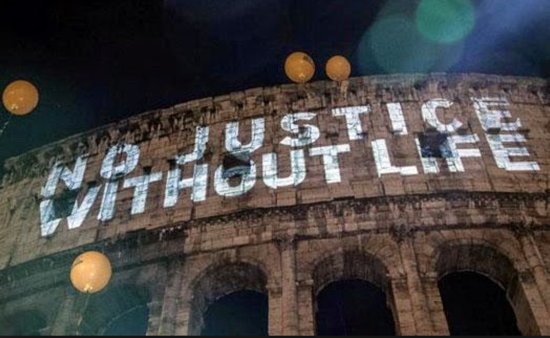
pixel 344 85
pixel 5 125
pixel 81 317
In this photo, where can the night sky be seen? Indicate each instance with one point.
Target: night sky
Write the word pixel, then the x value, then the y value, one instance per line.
pixel 95 62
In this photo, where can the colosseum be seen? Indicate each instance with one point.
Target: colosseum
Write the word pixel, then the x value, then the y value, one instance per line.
pixel 404 189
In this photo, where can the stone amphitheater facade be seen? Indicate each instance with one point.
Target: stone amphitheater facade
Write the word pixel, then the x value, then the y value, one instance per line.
pixel 335 184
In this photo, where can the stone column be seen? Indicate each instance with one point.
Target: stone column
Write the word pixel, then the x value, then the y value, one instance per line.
pixel 306 311
pixel 287 247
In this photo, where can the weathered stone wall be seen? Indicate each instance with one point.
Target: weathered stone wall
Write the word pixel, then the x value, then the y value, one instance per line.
pixel 401 232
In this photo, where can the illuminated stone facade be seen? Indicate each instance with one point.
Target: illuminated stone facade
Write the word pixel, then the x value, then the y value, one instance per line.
pixel 396 180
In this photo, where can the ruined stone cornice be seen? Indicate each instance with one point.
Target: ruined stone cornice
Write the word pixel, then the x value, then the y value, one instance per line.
pixel 53 270
pixel 59 264
pixel 337 206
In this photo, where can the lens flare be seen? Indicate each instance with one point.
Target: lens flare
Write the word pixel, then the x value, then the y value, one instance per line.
pixel 396 47
pixel 445 21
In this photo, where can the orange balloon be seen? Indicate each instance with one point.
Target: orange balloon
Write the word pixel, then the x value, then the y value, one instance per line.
pixel 91 272
pixel 299 67
pixel 20 97
pixel 338 68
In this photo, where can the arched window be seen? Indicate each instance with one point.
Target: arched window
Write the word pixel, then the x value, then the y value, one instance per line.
pixel 482 292
pixel 118 310
pixel 475 305
pixel 229 299
pixel 241 313
pixel 350 295
pixel 353 307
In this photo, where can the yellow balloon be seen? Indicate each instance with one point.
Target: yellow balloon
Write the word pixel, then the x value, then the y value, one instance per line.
pixel 91 272
pixel 299 67
pixel 338 68
pixel 20 97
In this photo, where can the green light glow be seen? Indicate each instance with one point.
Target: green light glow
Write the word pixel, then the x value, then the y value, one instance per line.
pixel 445 21
pixel 397 47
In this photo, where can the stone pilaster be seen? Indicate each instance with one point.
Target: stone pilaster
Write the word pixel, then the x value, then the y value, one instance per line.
pixel 275 310
pixel 534 259
pixel 423 322
pixel 287 247
pixel 435 304
pixel 66 319
pixel 155 304
pixel 306 311
pixel 530 310
pixel 401 306
pixel 173 317
pixel 534 282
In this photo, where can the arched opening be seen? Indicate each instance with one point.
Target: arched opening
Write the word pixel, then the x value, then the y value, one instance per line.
pixel 241 313
pixel 475 305
pixel 119 311
pixel 25 323
pixel 476 275
pixel 353 307
pixel 229 299
pixel 351 292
